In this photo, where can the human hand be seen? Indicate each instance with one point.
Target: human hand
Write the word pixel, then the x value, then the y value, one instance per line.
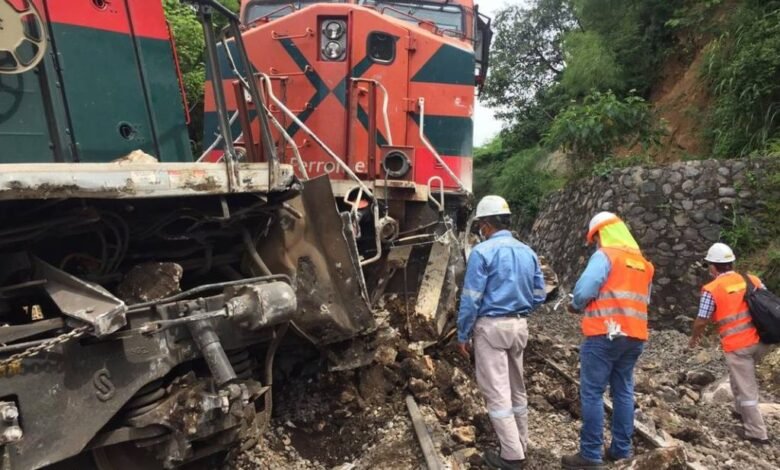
pixel 464 350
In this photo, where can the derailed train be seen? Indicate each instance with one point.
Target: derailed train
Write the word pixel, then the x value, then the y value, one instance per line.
pixel 144 290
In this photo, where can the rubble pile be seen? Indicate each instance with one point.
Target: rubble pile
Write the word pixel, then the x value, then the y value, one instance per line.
pixel 357 419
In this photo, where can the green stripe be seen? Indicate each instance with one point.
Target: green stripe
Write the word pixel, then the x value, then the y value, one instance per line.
pixel 103 90
pixel 449 135
pixel 449 65
pixel 165 95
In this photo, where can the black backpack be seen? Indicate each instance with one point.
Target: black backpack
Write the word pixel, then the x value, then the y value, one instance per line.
pixel 765 310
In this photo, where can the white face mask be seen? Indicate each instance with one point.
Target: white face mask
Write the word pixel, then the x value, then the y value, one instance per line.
pixel 482 234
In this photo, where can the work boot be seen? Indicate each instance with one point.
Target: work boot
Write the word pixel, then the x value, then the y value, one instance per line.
pixel 611 458
pixel 497 462
pixel 576 462
pixel 753 440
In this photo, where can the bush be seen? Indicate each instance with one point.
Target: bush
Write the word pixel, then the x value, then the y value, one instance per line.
pixel 592 129
pixel 743 69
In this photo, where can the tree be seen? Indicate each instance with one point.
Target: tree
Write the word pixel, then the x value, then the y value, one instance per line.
pixel 527 55
pixel 190 47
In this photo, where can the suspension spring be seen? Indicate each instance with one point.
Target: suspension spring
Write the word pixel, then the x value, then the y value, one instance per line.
pixel 146 399
pixel 242 362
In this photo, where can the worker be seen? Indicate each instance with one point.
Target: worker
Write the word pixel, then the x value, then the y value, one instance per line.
pixel 503 284
pixel 723 303
pixel 612 294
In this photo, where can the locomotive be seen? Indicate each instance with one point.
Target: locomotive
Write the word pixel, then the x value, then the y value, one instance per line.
pixel 146 291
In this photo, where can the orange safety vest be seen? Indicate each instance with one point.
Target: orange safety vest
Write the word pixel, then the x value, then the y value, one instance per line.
pixel 623 297
pixel 732 315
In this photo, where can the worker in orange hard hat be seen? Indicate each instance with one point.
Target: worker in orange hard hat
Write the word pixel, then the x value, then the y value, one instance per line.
pixel 612 294
pixel 723 302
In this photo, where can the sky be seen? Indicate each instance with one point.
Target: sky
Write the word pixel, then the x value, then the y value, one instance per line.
pixel 486 126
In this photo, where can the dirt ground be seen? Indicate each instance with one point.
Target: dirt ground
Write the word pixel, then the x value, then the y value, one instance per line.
pixel 358 419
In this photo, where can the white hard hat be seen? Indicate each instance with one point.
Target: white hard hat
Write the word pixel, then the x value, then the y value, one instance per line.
pixel 598 221
pixel 492 205
pixel 720 253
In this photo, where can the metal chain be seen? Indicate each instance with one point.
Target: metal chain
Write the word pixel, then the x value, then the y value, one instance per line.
pixel 46 346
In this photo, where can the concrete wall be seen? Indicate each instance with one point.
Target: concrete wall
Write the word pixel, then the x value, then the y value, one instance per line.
pixel 675 212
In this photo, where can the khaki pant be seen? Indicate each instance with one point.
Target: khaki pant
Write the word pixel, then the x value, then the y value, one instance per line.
pixel 498 347
pixel 742 374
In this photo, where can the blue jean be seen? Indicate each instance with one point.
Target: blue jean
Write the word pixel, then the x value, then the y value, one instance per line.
pixel 605 362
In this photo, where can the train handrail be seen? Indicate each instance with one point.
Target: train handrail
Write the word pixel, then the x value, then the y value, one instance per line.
pixel 439 204
pixel 276 123
pixel 429 146
pixel 385 104
pixel 347 170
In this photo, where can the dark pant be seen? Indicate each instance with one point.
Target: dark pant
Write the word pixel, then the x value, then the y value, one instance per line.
pixel 605 362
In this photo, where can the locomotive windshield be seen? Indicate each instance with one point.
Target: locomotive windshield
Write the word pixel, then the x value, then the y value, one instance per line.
pixel 273 9
pixel 445 17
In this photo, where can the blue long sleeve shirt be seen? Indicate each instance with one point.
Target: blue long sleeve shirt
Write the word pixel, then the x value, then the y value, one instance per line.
pixel 503 276
pixel 591 280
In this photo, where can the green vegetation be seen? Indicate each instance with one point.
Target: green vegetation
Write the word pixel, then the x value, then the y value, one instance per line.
pixel 513 175
pixel 576 75
pixel 601 122
pixel 190 46
pixel 743 69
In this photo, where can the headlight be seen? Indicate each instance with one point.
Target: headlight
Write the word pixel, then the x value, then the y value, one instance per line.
pixel 333 30
pixel 332 50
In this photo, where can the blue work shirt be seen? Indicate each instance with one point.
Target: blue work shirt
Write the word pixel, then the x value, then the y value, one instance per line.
pixel 591 280
pixel 503 276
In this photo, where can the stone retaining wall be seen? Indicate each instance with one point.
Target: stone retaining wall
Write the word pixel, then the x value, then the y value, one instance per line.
pixel 675 212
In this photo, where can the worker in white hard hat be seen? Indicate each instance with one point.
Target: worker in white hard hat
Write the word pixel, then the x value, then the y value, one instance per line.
pixel 613 295
pixel 723 303
pixel 503 285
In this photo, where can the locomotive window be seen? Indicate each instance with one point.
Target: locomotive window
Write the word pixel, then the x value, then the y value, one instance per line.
pixel 274 9
pixel 381 47
pixel 445 17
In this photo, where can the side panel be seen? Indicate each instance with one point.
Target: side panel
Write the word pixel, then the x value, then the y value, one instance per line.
pixel 103 90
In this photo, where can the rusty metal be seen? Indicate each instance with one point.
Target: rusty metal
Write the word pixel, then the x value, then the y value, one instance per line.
pixel 246 123
pixel 10 431
pixel 88 303
pixel 320 252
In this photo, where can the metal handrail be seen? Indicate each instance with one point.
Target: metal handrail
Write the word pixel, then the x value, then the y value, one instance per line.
pixel 347 170
pixel 276 123
pixel 385 104
pixel 429 146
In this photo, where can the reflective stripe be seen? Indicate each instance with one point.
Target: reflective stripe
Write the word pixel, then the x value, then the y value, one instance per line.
pixel 749 403
pixel 608 312
pixel 622 295
pixel 520 410
pixel 472 293
pixel 732 318
pixel 736 329
pixel 500 413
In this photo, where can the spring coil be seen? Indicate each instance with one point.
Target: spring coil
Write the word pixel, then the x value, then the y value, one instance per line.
pixel 146 399
pixel 242 362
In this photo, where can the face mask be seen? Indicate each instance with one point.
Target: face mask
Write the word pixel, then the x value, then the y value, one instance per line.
pixel 482 233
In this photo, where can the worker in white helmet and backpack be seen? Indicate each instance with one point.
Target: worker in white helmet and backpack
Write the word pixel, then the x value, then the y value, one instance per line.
pixel 723 303
pixel 503 284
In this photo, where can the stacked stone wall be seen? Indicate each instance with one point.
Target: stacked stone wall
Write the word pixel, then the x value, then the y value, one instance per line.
pixel 675 212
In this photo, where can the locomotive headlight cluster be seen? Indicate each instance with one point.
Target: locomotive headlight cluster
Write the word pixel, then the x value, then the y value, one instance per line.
pixel 333 39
